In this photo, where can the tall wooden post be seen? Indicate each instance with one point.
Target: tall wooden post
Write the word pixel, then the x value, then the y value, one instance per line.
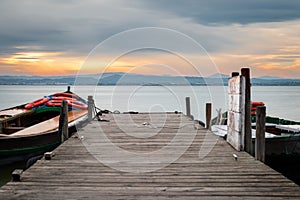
pixel 63 121
pixel 90 108
pixel 235 117
pixel 188 106
pixel 260 133
pixel 248 132
pixel 208 115
pixel 233 74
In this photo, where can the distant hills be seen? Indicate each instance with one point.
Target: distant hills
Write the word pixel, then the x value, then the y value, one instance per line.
pixel 139 79
pixel 269 77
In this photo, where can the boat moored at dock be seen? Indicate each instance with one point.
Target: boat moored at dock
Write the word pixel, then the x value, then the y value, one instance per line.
pixel 31 129
pixel 282 135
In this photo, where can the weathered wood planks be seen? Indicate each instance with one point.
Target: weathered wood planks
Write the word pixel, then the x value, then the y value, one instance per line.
pixel 206 169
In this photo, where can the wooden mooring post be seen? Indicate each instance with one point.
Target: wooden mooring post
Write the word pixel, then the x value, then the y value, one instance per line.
pixel 90 108
pixel 49 155
pixel 188 106
pixel 208 115
pixel 247 120
pixel 236 107
pixel 233 74
pixel 63 121
pixel 16 174
pixel 260 133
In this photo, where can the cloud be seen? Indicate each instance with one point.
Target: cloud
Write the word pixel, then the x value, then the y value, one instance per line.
pixel 81 25
pixel 230 30
pixel 39 63
pixel 266 64
pixel 216 12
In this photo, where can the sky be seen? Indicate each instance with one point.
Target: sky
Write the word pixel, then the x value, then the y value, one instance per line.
pixel 169 37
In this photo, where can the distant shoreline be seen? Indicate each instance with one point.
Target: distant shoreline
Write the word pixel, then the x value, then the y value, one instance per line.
pixel 137 85
pixel 112 79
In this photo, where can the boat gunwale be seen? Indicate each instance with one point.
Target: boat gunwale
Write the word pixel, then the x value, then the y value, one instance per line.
pixel 14 135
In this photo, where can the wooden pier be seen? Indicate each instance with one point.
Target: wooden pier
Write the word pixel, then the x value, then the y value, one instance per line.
pixel 140 165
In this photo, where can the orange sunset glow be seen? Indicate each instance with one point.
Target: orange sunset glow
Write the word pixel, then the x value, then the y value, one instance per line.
pixel 42 63
pixel 59 63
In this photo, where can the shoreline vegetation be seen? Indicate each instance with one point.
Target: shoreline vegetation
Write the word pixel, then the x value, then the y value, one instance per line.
pixel 111 79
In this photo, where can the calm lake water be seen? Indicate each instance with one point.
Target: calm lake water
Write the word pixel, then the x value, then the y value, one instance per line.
pixel 283 101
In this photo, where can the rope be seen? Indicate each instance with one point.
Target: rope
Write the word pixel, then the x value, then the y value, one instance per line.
pixel 98 113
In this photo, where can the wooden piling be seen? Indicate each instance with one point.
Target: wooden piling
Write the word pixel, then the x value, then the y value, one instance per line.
pixel 90 108
pixel 208 115
pixel 188 106
pixel 236 107
pixel 48 155
pixel 233 74
pixel 16 175
pixel 247 120
pixel 63 121
pixel 260 133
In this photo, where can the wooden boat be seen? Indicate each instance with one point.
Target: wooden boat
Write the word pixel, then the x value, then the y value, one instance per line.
pixel 33 128
pixel 282 136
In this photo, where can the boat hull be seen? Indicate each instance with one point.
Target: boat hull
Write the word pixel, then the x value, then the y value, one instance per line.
pixel 22 148
pixel 281 145
pixel 274 144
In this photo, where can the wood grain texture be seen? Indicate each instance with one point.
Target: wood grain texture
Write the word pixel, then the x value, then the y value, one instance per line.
pixel 206 170
pixel 248 135
pixel 260 133
pixel 236 112
pixel 50 124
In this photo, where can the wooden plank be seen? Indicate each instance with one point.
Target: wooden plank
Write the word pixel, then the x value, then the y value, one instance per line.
pixel 234 104
pixel 75 173
pixel 13 112
pixel 236 112
pixel 234 85
pixel 50 124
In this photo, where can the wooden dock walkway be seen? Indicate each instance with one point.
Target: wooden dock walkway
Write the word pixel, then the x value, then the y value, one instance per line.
pixel 149 156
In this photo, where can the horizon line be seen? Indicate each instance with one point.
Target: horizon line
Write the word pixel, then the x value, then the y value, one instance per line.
pixel 208 76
